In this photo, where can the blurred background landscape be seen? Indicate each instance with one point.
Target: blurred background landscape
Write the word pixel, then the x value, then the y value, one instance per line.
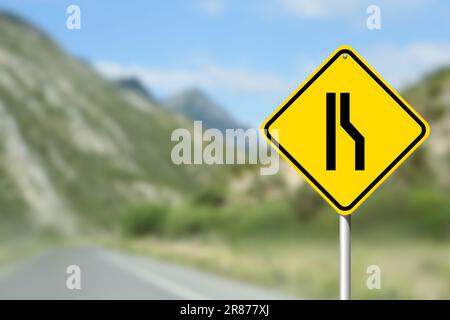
pixel 85 160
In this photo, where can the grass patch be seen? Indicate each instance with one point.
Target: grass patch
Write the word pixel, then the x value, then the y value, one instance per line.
pixel 309 269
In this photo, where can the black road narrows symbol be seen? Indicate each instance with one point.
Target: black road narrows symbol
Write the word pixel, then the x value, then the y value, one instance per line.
pixel 348 128
pixel 331 131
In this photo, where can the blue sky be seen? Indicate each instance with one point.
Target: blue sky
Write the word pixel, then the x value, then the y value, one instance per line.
pixel 248 55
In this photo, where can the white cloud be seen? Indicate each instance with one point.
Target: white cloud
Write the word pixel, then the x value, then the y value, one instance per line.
pixel 333 8
pixel 208 76
pixel 212 8
pixel 317 8
pixel 401 65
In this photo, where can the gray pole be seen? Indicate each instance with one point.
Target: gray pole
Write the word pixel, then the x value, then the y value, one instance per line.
pixel 345 257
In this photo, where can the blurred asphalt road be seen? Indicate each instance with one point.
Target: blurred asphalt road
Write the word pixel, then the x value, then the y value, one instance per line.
pixel 112 275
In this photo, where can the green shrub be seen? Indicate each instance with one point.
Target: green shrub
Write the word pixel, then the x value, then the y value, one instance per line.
pixel 398 209
pixel 144 219
pixel 306 203
pixel 193 220
pixel 209 197
pixel 431 209
pixel 420 210
pixel 267 218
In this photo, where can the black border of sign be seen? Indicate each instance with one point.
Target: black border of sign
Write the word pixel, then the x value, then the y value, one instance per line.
pixel 385 171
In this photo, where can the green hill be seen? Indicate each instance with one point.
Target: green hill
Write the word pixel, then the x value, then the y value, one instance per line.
pixel 74 149
pixel 431 97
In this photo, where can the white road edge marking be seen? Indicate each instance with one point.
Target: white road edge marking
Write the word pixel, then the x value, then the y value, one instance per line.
pixel 153 278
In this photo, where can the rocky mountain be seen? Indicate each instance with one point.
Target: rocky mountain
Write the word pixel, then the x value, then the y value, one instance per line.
pixel 197 105
pixel 135 85
pixel 74 149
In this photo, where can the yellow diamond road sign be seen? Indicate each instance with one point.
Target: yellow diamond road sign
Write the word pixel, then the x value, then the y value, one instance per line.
pixel 345 130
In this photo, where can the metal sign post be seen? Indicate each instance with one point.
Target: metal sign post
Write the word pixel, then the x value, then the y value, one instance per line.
pixel 345 257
